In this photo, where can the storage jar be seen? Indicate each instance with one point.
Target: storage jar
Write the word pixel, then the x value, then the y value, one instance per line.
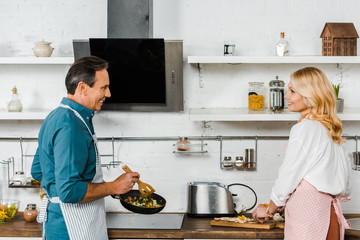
pixel 31 212
pixel 256 96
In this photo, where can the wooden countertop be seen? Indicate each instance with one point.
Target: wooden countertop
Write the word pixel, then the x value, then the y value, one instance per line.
pixel 199 228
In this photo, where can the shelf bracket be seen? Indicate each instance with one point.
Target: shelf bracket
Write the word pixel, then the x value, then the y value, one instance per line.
pixel 221 142
pixel 201 82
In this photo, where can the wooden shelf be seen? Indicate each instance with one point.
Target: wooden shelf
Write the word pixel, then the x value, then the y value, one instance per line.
pixel 273 59
pixel 37 60
pixel 244 115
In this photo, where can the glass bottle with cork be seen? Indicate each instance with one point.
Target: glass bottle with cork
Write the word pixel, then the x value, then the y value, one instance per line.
pixel 15 104
pixel 282 46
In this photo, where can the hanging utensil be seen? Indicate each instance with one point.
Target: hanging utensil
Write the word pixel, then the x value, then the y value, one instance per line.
pixel 144 188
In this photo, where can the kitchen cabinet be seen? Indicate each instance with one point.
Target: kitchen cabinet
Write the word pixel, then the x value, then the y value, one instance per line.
pixel 192 228
pixel 243 114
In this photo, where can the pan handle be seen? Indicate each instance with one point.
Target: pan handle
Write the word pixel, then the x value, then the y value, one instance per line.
pixel 240 184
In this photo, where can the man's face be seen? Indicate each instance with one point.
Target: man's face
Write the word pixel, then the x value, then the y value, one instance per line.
pixel 99 91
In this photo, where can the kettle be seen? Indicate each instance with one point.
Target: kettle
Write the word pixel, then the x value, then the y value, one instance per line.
pixel 212 199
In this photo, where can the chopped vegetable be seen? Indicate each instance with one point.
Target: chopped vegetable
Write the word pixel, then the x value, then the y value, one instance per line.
pixel 6 214
pixel 145 202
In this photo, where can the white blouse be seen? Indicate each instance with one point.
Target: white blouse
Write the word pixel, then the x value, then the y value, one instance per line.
pixel 312 155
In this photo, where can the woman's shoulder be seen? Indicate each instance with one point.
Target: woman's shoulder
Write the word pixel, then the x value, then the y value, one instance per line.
pixel 307 128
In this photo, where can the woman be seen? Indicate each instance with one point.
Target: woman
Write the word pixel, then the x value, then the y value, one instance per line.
pixel 315 173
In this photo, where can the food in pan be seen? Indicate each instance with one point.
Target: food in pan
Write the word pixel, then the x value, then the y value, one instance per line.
pixel 145 202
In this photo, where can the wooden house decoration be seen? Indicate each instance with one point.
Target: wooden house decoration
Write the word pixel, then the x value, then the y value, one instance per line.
pixel 339 39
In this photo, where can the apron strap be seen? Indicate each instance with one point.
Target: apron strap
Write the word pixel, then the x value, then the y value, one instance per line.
pixel 344 224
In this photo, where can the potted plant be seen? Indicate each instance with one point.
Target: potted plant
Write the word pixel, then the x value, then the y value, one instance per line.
pixel 339 101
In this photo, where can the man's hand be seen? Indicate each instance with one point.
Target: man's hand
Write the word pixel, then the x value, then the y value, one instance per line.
pixel 124 183
pixel 121 185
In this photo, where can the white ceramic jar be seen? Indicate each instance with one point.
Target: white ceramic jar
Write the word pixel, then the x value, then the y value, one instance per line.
pixel 43 49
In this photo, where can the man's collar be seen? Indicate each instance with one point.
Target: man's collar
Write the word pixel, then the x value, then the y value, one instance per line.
pixel 85 112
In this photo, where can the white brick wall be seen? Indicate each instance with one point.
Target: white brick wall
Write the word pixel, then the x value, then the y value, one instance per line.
pixel 203 26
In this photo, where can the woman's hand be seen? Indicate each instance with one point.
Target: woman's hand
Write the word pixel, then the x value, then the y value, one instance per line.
pixel 259 213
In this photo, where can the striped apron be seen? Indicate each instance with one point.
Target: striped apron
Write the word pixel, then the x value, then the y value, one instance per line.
pixel 82 220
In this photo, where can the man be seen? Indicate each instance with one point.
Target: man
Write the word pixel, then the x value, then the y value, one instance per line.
pixel 67 161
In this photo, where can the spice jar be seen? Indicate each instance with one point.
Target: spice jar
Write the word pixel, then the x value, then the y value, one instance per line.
pixel 183 144
pixel 31 212
pixel 276 95
pixel 256 96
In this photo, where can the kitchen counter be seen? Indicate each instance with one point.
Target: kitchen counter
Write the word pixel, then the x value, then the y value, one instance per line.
pixel 192 228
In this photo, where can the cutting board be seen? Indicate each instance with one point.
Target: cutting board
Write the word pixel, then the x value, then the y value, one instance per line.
pixel 265 225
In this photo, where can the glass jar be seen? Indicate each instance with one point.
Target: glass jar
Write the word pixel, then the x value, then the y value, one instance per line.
pixel 20 178
pixel 256 96
pixel 31 212
pixel 276 95
pixel 183 144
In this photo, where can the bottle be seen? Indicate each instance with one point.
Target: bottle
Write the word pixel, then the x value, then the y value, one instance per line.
pixel 256 96
pixel 282 46
pixel 183 144
pixel 31 213
pixel 15 104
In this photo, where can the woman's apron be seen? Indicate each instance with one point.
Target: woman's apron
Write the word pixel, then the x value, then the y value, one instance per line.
pixel 83 220
pixel 307 214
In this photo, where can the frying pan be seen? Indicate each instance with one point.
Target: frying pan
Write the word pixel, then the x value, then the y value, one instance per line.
pixel 136 209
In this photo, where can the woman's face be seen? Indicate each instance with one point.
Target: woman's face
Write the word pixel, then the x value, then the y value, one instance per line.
pixel 296 101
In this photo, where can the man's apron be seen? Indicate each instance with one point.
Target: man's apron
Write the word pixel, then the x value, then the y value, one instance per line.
pixel 83 220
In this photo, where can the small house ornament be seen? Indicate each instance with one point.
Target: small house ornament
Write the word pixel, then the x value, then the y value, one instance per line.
pixel 339 39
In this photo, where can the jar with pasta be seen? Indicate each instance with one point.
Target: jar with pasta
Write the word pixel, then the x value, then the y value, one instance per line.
pixel 256 96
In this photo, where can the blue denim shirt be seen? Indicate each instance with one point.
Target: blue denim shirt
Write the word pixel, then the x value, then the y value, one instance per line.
pixel 65 159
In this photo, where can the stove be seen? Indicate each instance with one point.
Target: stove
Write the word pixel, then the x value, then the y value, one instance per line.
pixel 142 221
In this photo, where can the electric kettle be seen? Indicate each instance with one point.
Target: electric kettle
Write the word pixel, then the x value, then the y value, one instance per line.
pixel 212 199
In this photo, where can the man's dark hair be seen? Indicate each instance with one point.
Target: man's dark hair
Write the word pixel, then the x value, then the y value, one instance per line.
pixel 83 70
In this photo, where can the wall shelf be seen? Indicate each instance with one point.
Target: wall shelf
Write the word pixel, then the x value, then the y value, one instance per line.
pixel 243 114
pixel 37 60
pixel 273 59
pixel 24 115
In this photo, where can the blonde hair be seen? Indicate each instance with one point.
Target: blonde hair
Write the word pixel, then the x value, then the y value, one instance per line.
pixel 319 96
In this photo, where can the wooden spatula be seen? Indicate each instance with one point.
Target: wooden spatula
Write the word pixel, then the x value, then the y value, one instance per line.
pixel 144 188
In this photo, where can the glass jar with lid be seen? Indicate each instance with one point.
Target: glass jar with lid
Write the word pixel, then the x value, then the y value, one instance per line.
pixel 31 212
pixel 256 96
pixel 183 144
pixel 276 95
